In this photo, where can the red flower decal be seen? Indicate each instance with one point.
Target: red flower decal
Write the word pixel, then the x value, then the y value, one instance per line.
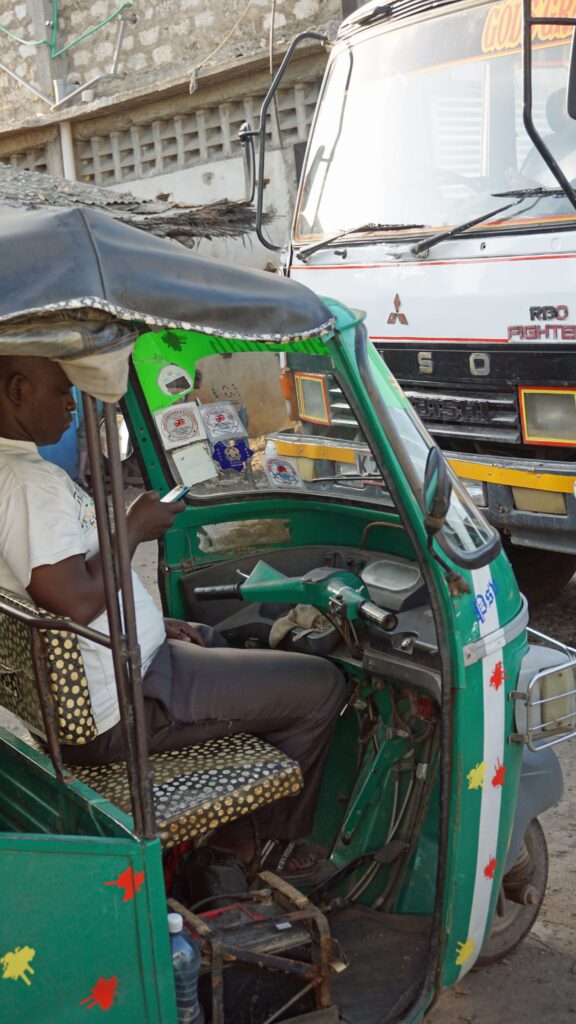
pixel 498 676
pixel 499 774
pixel 490 868
pixel 131 881
pixel 102 994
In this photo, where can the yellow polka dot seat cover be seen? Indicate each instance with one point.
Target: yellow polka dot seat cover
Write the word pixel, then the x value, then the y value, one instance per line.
pixel 195 789
pixel 65 670
pixel 199 788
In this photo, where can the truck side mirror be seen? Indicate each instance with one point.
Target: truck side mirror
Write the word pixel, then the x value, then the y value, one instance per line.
pixel 437 492
pixel 261 133
pixel 571 90
pixel 246 138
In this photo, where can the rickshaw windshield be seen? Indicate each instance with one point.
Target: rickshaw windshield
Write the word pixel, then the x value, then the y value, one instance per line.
pixel 465 531
pixel 237 417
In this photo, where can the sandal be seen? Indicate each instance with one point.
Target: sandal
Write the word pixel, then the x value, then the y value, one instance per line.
pixel 296 861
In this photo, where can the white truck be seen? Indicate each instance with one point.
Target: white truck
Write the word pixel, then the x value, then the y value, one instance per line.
pixel 436 194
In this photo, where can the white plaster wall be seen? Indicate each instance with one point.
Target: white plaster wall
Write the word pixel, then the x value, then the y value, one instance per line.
pixel 225 179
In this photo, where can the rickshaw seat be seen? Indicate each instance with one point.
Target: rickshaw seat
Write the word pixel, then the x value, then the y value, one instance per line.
pixel 196 789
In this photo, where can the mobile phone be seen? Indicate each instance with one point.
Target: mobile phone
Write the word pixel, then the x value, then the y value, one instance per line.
pixel 176 493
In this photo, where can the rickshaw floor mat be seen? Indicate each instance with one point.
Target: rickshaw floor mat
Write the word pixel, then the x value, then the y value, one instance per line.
pixel 387 956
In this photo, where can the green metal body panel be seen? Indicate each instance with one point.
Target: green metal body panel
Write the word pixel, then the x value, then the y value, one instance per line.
pixel 83 920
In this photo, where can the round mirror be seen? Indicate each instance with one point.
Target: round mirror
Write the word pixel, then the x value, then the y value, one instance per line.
pixel 123 438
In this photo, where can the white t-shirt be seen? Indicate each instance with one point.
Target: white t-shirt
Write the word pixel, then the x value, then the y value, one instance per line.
pixel 44 518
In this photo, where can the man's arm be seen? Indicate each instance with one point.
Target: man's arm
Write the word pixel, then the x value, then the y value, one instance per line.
pixel 74 586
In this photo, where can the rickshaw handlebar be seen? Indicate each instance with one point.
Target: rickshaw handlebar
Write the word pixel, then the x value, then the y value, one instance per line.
pixel 219 593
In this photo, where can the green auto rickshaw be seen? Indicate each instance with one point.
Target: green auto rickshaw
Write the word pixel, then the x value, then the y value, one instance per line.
pixel 319 516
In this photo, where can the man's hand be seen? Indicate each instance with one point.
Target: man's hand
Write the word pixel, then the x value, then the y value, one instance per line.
pixel 148 517
pixel 178 630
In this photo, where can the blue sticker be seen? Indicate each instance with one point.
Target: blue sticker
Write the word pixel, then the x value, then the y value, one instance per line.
pixel 232 454
pixel 483 601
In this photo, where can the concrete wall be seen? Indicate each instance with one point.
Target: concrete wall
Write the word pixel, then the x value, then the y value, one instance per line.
pixel 168 35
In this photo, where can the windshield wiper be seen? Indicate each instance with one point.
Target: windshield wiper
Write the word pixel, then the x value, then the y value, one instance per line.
pixel 309 250
pixel 519 194
pixel 527 193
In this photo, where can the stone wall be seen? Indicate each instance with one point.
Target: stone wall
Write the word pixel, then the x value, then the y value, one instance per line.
pixel 169 36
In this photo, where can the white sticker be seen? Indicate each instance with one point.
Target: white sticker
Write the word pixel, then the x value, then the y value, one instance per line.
pixel 194 464
pixel 282 472
pixel 221 420
pixel 179 424
pixel 174 380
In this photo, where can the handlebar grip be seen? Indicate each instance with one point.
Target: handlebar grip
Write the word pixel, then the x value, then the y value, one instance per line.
pixel 219 593
pixel 372 613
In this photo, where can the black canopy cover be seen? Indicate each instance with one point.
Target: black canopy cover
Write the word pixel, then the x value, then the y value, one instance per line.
pixel 57 259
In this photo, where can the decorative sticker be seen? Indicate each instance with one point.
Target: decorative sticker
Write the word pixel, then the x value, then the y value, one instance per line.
pixel 179 424
pixel 282 473
pixel 174 380
pixel 232 454
pixel 130 881
pixel 490 868
pixel 499 774
pixel 15 964
pixel 102 994
pixel 221 421
pixel 498 676
pixel 483 601
pixel 477 775
pixel 194 464
pixel 464 951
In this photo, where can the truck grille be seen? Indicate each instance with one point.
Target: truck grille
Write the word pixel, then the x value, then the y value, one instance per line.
pixel 457 414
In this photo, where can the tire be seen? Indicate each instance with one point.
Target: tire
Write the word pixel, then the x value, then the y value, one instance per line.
pixel 512 921
pixel 541 574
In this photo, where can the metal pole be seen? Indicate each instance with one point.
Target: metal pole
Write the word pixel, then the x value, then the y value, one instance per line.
pixel 119 644
pixel 129 616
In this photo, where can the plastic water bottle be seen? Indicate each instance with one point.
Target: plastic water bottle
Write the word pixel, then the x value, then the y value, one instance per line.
pixel 186 959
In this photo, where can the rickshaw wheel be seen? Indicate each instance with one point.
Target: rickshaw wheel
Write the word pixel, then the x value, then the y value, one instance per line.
pixel 512 920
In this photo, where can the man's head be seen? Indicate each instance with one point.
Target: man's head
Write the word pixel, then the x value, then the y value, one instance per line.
pixel 35 399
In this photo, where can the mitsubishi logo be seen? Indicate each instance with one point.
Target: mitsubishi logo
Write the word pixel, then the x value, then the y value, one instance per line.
pixel 397 316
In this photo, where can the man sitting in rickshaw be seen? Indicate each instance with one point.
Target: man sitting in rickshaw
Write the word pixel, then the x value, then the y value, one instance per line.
pixel 195 687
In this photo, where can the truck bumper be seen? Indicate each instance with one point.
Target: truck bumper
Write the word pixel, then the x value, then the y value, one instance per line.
pixel 534 504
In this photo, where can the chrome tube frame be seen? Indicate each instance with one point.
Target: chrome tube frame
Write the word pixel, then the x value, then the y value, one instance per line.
pixel 115 555
pixel 540 735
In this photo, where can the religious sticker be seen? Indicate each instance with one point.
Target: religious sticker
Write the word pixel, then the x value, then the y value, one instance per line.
pixel 179 424
pixel 232 453
pixel 281 472
pixel 222 421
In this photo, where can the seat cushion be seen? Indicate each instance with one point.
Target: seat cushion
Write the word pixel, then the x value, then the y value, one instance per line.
pixel 199 788
pixel 65 670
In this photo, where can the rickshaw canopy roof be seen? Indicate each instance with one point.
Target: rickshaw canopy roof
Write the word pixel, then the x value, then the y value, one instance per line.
pixel 57 259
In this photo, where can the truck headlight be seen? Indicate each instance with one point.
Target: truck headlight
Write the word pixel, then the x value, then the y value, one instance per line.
pixel 548 415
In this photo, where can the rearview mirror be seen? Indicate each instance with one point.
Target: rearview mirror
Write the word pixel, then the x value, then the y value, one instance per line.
pixel 246 138
pixel 123 438
pixel 571 89
pixel 437 492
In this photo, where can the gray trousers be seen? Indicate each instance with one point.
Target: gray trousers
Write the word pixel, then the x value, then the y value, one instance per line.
pixel 196 693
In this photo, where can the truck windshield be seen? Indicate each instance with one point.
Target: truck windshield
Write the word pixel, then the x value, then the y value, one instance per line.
pixel 421 123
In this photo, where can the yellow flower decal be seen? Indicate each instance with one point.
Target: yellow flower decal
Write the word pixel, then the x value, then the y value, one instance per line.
pixel 464 951
pixel 476 776
pixel 16 963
